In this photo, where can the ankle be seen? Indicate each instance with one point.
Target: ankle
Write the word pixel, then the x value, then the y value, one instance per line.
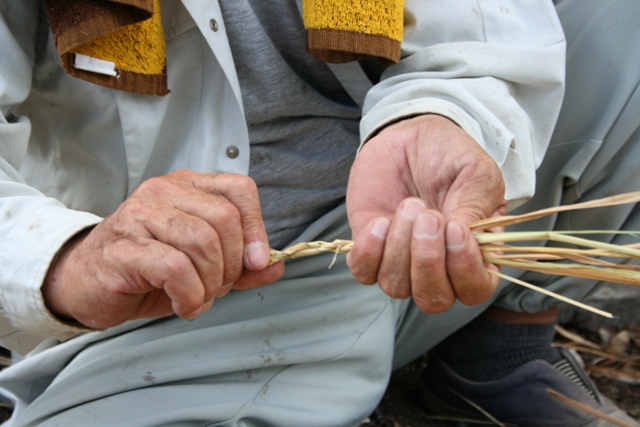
pixel 502 315
pixel 499 342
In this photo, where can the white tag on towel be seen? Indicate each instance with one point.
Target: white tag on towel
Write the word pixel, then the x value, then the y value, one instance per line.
pixel 95 65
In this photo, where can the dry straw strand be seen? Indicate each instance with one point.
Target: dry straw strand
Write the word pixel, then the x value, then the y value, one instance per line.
pixel 552 294
pixel 584 254
pixel 503 221
pixel 588 409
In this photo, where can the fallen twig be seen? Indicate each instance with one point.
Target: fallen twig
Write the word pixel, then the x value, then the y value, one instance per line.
pixel 585 408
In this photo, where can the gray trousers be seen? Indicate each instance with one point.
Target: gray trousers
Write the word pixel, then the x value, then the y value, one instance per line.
pixel 316 348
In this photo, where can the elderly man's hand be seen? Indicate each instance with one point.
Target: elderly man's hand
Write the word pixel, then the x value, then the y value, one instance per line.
pixel 413 190
pixel 175 245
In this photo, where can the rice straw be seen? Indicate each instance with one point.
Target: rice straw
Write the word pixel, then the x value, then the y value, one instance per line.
pixel 552 294
pixel 582 253
pixel 588 409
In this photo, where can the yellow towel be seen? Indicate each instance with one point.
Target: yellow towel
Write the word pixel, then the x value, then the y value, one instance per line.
pixel 120 43
pixel 343 31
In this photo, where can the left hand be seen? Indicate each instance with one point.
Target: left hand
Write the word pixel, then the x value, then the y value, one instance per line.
pixel 175 245
pixel 413 190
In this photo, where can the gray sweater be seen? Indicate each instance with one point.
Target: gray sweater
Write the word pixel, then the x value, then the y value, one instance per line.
pixel 297 113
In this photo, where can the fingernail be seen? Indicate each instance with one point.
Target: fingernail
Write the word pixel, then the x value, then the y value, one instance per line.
pixel 381 228
pixel 256 255
pixel 425 226
pixel 411 208
pixel 454 237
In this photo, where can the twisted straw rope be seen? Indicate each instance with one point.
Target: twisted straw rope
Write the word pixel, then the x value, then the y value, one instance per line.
pixel 311 248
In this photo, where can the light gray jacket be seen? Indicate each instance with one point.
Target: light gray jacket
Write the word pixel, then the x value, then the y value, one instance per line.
pixel 71 151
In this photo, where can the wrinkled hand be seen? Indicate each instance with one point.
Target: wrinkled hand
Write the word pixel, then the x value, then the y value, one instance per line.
pixel 413 190
pixel 175 245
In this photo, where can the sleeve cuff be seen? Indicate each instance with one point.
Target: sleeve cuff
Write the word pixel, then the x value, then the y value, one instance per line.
pixel 33 238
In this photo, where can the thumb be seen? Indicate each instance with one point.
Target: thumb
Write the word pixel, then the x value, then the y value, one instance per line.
pixel 256 246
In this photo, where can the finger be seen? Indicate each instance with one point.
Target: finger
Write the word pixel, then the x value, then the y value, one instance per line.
pixel 158 304
pixel 252 279
pixel 394 276
pixel 201 243
pixel 225 221
pixel 156 203
pixel 465 267
pixel 432 292
pixel 221 232
pixel 242 192
pixel 153 304
pixel 368 247
pixel 180 282
pixel 156 265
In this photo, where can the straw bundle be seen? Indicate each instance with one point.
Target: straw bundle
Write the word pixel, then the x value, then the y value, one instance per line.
pixel 582 259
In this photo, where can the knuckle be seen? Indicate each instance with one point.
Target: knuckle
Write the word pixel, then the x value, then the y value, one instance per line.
pixel 151 185
pixel 424 263
pixel 363 277
pixel 394 288
pixel 180 174
pixel 213 284
pixel 434 305
pixel 207 242
pixel 364 251
pixel 122 224
pixel 229 213
pixel 131 208
pixel 235 184
pixel 184 300
pixel 362 272
pixel 246 185
pixel 232 272
pixel 474 294
pixel 177 264
pixel 162 185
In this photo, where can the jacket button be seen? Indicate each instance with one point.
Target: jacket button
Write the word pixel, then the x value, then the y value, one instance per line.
pixel 213 24
pixel 232 152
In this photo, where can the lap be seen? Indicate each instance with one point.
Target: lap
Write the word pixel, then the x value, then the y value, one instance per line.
pixel 283 352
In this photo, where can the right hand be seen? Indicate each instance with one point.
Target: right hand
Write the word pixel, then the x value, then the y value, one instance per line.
pixel 414 189
pixel 176 244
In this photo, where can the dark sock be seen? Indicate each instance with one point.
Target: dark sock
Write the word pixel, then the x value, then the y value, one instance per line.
pixel 485 350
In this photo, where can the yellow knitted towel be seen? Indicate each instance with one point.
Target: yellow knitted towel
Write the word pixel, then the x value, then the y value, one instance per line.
pixel 343 31
pixel 120 43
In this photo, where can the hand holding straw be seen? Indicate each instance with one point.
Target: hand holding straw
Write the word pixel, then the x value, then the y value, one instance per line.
pixel 540 259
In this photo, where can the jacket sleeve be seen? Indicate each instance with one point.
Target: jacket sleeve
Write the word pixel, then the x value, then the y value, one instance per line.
pixel 495 68
pixel 33 226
